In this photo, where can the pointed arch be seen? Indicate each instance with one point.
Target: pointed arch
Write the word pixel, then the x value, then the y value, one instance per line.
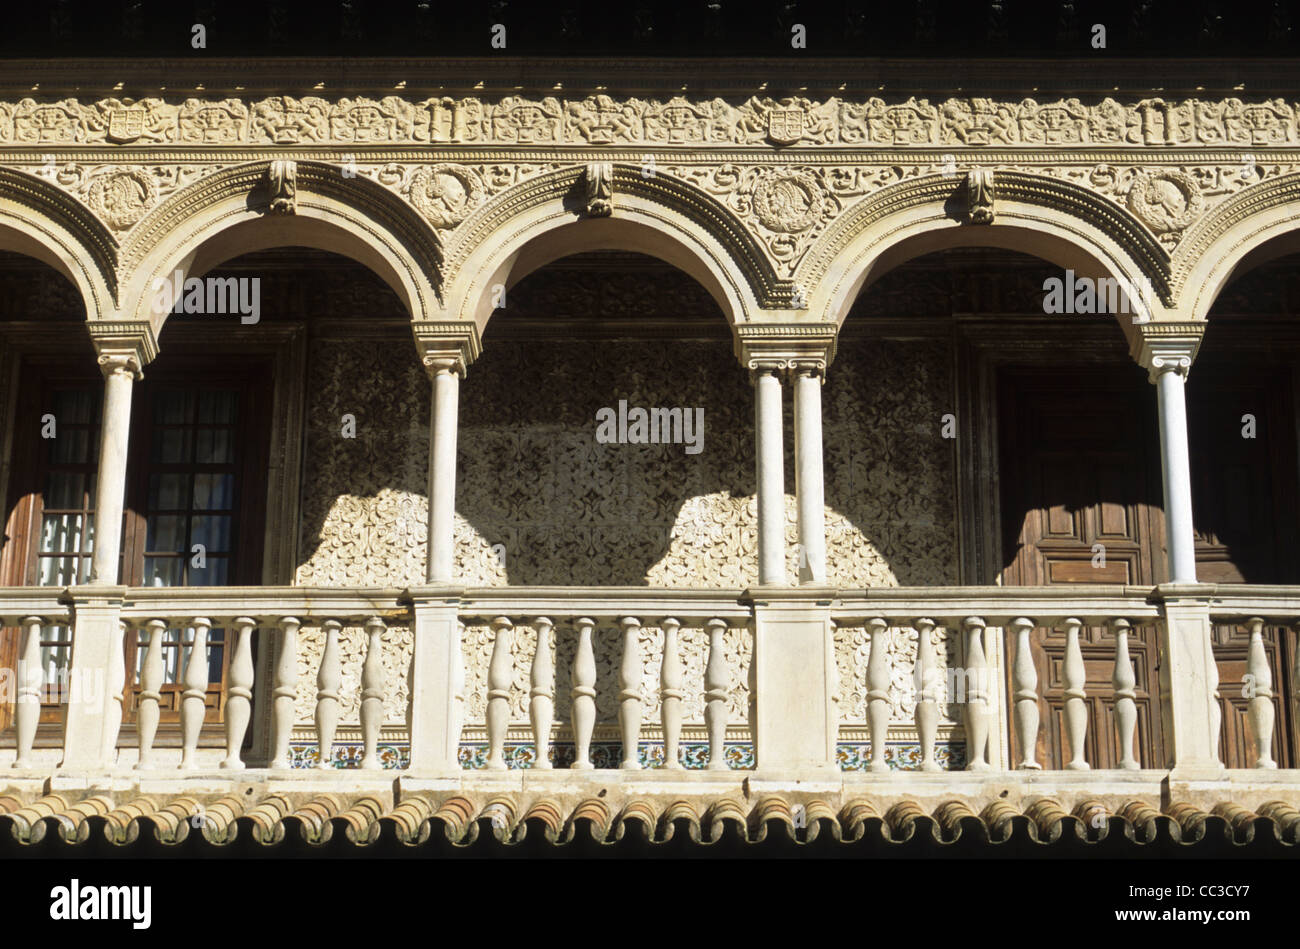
pixel 226 214
pixel 1057 220
pixel 41 220
pixel 541 220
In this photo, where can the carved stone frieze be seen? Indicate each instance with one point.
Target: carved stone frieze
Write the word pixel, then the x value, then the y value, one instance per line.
pixel 600 119
pixel 120 195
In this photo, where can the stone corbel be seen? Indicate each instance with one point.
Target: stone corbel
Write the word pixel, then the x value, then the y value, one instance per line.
pixel 788 348
pixel 1167 346
pixel 599 180
pixel 123 346
pixel 282 186
pixel 446 346
pixel 979 196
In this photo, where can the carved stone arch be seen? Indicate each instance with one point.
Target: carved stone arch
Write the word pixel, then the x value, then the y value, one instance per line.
pixel 1255 225
pixel 660 216
pixel 41 220
pixel 229 213
pixel 1057 220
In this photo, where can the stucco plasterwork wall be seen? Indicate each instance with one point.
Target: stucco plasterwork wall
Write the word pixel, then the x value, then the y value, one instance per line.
pixel 541 502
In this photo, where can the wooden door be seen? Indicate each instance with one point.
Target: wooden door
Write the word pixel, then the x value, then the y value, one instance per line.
pixel 1080 495
pixel 1241 430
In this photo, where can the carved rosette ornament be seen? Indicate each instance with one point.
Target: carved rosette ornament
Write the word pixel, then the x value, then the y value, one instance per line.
pixel 445 194
pixel 281 177
pixel 789 202
pixel 599 181
pixel 979 196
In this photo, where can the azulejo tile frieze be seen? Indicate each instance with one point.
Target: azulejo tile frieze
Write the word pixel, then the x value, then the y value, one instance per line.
pixel 605 120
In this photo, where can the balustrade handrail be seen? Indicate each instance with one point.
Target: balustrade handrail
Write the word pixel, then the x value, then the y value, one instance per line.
pixel 998 605
pixel 16 603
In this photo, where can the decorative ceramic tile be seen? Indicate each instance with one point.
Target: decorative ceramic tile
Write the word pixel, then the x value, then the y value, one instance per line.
pixel 900 756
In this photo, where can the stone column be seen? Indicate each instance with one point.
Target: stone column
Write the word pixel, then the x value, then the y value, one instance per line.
pixel 770 455
pixel 446 349
pixel 437 673
pixel 1188 673
pixel 89 725
pixel 809 487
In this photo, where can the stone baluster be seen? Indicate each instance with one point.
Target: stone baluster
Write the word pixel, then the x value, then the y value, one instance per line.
pixel 498 695
pixel 1075 713
pixel 976 696
pixel 285 694
pixel 717 684
pixel 928 680
pixel 27 708
pixel 1259 694
pixel 116 683
pixel 372 693
pixel 1216 709
pixel 193 699
pixel 240 693
pixel 1025 692
pixel 328 681
pixel 977 691
pixel 1124 682
pixel 541 706
pixel 671 694
pixel 583 695
pixel 878 693
pixel 629 695
pixel 151 680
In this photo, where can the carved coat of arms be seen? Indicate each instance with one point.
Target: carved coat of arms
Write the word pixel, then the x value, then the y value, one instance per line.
pixel 785 126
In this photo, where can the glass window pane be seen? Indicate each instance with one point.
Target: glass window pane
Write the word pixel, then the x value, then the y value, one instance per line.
pixel 166 533
pixel 214 446
pixel 62 571
pixel 173 407
pixel 70 446
pixel 171 446
pixel 214 662
pixel 169 492
pixel 64 489
pixel 214 574
pixel 217 407
pixel 214 491
pixel 75 406
pixel 213 533
pixel 162 571
pixel 60 533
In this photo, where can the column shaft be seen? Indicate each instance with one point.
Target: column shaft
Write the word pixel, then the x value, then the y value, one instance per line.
pixel 442 473
pixel 1176 472
pixel 771 477
pixel 110 487
pixel 809 487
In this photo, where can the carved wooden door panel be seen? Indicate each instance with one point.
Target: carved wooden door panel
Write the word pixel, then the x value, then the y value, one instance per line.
pixel 1079 470
pixel 1241 428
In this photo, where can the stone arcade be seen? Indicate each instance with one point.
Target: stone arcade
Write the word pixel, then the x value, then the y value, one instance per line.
pixel 549 634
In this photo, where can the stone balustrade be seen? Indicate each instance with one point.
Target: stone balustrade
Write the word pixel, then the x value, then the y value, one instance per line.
pixel 650 670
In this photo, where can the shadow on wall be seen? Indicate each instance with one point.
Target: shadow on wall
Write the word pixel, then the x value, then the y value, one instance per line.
pixel 541 502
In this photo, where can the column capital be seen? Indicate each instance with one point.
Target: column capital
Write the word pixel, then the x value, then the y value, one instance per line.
pixel 123 346
pixel 446 345
pixel 786 347
pixel 1161 347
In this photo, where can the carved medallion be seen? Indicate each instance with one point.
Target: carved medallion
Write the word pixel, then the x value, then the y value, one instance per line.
pixel 1165 200
pixel 121 198
pixel 788 202
pixel 445 194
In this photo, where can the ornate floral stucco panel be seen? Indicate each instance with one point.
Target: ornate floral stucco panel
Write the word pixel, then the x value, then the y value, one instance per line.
pixel 540 501
pixel 853 647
